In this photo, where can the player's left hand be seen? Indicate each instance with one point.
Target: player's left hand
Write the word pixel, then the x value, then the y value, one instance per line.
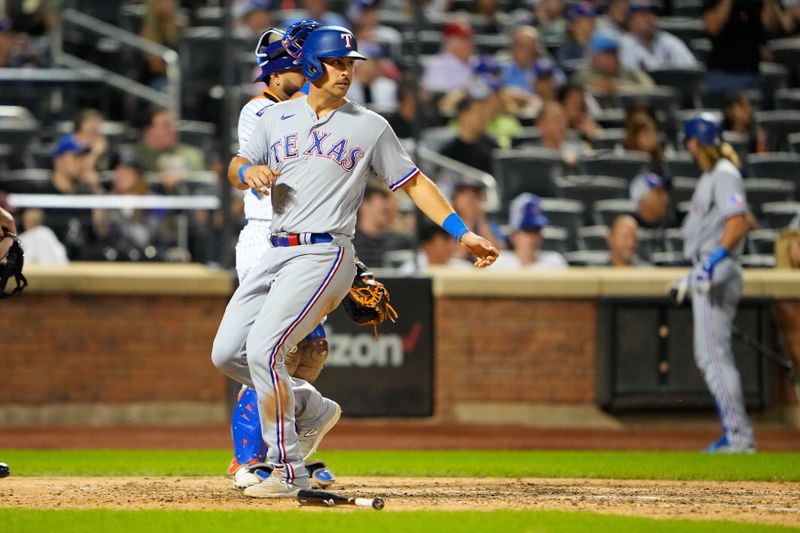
pixel 481 248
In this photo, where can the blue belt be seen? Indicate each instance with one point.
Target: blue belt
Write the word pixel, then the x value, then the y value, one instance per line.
pixel 297 239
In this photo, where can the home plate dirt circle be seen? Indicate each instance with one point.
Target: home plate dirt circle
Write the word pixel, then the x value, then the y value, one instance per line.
pixel 754 502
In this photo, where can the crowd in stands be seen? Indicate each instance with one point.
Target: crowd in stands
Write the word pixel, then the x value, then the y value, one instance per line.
pixel 573 108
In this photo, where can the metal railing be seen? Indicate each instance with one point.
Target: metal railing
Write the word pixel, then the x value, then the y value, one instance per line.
pixel 457 167
pixel 170 99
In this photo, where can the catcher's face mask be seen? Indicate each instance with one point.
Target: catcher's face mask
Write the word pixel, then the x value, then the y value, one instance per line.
pixel 11 263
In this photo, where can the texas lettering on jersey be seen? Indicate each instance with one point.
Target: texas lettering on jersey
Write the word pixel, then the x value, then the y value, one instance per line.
pixel 321 145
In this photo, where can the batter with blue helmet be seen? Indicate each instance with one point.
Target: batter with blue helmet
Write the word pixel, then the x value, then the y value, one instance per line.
pixel 713 233
pixel 278 56
pixel 313 156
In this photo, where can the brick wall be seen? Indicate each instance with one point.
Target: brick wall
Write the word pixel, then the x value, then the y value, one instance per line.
pixel 514 350
pixel 58 348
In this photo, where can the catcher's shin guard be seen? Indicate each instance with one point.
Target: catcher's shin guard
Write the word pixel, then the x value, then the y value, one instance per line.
pixel 248 444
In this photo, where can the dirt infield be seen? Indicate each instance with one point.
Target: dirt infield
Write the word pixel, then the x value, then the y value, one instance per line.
pixel 755 502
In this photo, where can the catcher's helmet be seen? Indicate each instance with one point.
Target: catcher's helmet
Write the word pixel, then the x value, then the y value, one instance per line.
pixel 278 51
pixel 328 41
pixel 703 127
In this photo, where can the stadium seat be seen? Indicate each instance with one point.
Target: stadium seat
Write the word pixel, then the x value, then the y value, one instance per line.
pixel 593 238
pixel 780 214
pixel 689 82
pixel 773 77
pixel 682 164
pixel 589 189
pixel 668 259
pixel 609 138
pixel 626 165
pixel 778 124
pixel 528 136
pixel 5 156
pixel 605 211
pixel 682 189
pixel 684 28
pixel 612 118
pixel 17 130
pixel 762 241
pixel 430 43
pixel 209 16
pixel 687 8
pixel 764 190
pixel 794 141
pixel 777 165
pixel 651 241
pixel 198 134
pixel 567 214
pixel 673 240
pixel 757 261
pixel 555 239
pixel 700 48
pixel 788 99
pixel 491 44
pixel 28 180
pixel 787 53
pixel 716 100
pixel 663 100
pixel 526 170
pixel 588 258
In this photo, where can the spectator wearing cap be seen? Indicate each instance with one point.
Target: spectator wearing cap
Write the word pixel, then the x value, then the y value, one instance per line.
pixel 472 146
pixel 737 29
pixel 553 128
pixel 645 47
pixel 370 87
pixel 603 74
pixel 614 20
pixel 162 24
pixel 88 131
pixel 453 67
pixel 580 28
pixel 160 139
pixel 435 248
pixel 320 10
pixel 374 238
pixel 650 193
pixel 576 102
pixel 251 18
pixel 623 242
pixel 469 201
pixel 546 85
pixel 72 169
pixel 526 222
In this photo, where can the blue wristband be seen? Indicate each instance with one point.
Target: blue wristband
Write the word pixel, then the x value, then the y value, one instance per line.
pixel 455 226
pixel 241 172
pixel 719 253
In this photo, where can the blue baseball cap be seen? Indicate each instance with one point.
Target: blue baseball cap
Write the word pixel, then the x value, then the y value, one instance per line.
pixel 68 144
pixel 603 43
pixel 581 9
pixel 703 127
pixel 543 67
pixel 643 183
pixel 525 213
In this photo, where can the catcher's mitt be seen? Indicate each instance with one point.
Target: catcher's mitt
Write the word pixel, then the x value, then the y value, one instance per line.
pixel 12 260
pixel 368 302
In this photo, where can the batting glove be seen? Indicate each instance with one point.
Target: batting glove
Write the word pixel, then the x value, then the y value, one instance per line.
pixel 678 290
pixel 704 274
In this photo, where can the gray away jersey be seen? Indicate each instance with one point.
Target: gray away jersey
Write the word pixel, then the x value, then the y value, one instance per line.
pixel 324 163
pixel 719 195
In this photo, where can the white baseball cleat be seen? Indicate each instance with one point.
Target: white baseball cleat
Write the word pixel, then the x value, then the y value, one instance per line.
pixel 276 486
pixel 309 440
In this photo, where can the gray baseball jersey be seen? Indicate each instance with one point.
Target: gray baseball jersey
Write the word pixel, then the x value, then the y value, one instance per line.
pixel 324 163
pixel 719 195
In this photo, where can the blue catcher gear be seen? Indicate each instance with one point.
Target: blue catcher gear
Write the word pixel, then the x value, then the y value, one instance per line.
pixel 296 35
pixel 703 127
pixel 271 56
pixel 328 41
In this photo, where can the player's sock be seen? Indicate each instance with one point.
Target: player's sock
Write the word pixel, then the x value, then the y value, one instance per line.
pixel 248 444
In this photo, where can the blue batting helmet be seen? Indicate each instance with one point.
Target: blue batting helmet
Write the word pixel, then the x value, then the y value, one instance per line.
pixel 328 41
pixel 703 127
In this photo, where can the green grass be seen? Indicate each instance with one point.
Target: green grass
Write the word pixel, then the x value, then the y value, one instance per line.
pixel 614 465
pixel 107 521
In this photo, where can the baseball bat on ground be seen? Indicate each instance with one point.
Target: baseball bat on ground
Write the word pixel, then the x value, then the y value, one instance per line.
pixel 330 499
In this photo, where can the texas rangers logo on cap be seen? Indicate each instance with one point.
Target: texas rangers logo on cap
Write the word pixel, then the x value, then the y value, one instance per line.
pixel 347 38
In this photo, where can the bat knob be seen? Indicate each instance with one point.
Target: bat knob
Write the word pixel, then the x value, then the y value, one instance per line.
pixel 377 504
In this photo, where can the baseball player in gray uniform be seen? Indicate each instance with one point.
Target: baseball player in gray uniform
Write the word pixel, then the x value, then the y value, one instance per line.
pixel 277 54
pixel 312 155
pixel 713 235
